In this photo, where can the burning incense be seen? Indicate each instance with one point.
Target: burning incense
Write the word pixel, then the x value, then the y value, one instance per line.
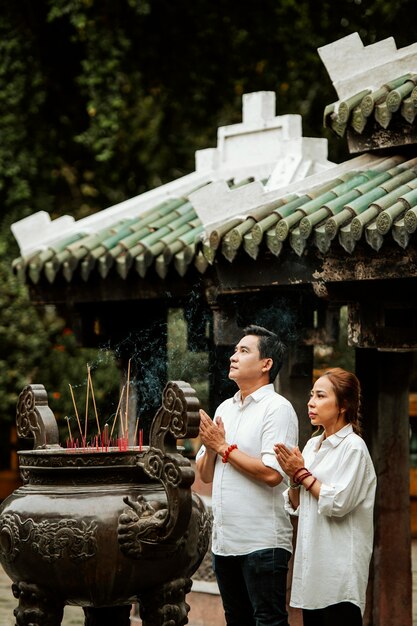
pixel 69 427
pixel 136 432
pixel 76 410
pixel 90 382
pixel 86 406
pixel 126 430
pixel 105 438
pixel 117 412
pixel 122 425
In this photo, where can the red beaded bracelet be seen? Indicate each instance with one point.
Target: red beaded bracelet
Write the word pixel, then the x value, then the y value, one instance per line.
pixel 227 452
pixel 300 469
pixel 299 479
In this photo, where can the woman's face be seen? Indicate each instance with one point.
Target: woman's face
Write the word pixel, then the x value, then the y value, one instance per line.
pixel 323 409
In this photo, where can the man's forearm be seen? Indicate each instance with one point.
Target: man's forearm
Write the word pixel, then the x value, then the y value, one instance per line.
pixel 254 468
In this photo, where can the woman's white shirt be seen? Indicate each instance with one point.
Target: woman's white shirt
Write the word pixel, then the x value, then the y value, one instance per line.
pixel 335 533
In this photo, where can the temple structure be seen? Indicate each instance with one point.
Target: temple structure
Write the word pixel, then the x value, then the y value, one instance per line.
pixel 267 230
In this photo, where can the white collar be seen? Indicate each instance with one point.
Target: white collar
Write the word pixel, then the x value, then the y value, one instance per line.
pixel 257 395
pixel 337 437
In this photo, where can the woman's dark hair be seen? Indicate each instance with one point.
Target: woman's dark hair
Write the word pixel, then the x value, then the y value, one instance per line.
pixel 348 394
pixel 270 347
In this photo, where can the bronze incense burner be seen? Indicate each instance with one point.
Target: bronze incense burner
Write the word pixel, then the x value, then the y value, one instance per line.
pixel 104 528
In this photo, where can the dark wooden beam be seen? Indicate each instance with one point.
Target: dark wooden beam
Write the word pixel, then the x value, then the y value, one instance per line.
pixel 367 264
pixel 315 269
pixel 244 275
pixel 384 324
pixel 113 288
pixel 375 137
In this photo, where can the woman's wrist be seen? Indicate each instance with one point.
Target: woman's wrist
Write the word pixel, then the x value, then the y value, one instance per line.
pixel 310 484
pixel 300 476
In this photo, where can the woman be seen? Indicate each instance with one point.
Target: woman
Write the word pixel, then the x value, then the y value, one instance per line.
pixel 332 490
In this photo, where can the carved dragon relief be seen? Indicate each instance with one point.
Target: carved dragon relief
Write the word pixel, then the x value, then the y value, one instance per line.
pixel 143 523
pixel 51 540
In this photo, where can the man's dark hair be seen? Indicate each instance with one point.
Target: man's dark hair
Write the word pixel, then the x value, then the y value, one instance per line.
pixel 270 347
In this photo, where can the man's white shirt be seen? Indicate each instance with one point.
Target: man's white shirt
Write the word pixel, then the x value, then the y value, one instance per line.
pixel 249 515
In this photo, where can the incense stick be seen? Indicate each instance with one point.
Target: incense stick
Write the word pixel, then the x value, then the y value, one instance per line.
pixel 76 411
pixel 90 382
pixel 127 399
pixel 122 426
pixel 117 411
pixel 86 409
pixel 69 427
pixel 105 437
pixel 136 432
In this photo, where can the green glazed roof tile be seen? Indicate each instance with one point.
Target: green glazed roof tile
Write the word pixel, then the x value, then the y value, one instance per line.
pixel 250 246
pixel 346 240
pixel 374 237
pixel 400 234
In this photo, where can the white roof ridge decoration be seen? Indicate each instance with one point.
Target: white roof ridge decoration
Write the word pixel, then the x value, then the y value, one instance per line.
pixel 353 67
pixel 263 146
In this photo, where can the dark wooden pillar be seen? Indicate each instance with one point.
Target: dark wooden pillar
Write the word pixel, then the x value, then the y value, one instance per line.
pixel 226 333
pixel 221 387
pixel 385 378
pixel 294 383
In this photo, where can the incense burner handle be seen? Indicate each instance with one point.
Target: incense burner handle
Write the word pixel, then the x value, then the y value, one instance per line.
pixel 33 416
pixel 177 418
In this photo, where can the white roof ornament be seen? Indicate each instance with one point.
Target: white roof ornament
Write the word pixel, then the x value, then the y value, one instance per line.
pixel 353 67
pixel 265 146
pixel 30 231
pixel 263 139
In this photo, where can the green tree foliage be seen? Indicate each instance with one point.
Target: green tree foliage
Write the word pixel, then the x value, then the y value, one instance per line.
pixel 337 354
pixel 22 338
pixel 37 347
pixel 184 364
pixel 103 100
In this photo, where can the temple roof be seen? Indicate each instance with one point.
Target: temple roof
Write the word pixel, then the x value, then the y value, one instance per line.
pixel 369 198
pixel 161 227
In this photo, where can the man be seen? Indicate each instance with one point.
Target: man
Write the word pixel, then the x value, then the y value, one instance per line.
pixel 252 534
